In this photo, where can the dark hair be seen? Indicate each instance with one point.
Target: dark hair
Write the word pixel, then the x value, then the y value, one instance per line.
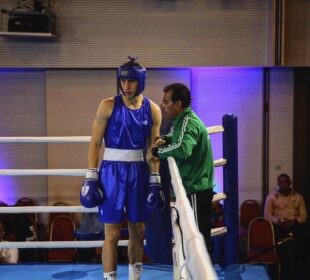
pixel 132 62
pixel 284 175
pixel 179 92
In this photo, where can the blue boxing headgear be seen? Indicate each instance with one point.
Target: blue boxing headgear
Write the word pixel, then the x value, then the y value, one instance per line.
pixel 132 71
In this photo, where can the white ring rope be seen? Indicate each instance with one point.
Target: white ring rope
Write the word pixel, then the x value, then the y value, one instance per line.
pixel 198 261
pixel 219 162
pixel 45 139
pixel 218 231
pixel 57 209
pixel 73 209
pixel 69 139
pixel 43 172
pixel 68 209
pixel 57 244
pixel 215 129
pixel 219 196
pixel 47 209
pixel 73 139
pixel 64 172
pixel 77 244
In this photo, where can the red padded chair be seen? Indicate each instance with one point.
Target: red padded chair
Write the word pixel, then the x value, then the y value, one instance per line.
pixel 62 229
pixel 52 216
pixel 261 243
pixel 249 210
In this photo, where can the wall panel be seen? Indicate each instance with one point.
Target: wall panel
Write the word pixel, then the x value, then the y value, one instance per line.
pixel 281 124
pixel 297 33
pixel 72 98
pixel 98 33
pixel 22 113
pixel 238 91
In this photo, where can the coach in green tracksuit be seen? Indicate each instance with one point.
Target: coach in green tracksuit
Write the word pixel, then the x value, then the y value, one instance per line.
pixel 189 143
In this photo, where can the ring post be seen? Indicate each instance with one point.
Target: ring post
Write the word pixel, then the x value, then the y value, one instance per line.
pixel 231 216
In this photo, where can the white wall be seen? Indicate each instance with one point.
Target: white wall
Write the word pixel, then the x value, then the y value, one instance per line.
pixel 281 124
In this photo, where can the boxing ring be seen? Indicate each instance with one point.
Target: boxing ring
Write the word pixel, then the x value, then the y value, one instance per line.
pixel 190 258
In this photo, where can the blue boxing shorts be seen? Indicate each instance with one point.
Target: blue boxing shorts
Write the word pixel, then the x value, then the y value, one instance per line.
pixel 125 185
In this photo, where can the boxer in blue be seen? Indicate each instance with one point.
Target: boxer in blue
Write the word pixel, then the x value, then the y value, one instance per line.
pixel 128 180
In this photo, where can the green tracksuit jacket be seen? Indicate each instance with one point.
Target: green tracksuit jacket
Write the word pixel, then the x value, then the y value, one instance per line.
pixel 189 144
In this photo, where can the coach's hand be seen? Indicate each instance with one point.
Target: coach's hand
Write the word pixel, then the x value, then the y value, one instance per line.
pixel 155 197
pixel 91 194
pixel 160 140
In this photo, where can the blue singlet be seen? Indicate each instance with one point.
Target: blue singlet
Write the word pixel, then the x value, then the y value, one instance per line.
pixel 125 182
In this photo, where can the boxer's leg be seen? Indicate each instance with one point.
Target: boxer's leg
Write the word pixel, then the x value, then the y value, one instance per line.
pixel 135 249
pixel 109 251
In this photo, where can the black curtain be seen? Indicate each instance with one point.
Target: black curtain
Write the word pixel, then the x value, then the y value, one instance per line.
pixel 301 164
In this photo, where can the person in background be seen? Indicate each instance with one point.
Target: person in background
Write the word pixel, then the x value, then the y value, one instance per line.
pixel 286 209
pixel 190 145
pixel 217 241
pixel 128 181
pixel 7 255
pixel 25 230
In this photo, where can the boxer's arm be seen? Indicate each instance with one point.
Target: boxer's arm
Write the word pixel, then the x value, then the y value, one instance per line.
pixel 155 197
pixel 100 122
pixel 92 192
pixel 156 115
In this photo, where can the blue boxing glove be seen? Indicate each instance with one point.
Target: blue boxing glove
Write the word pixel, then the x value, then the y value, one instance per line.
pixel 155 197
pixel 91 194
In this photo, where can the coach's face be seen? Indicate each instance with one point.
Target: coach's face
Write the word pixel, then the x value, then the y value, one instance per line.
pixel 171 109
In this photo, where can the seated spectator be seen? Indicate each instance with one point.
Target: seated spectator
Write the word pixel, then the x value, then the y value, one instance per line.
pixel 286 209
pixel 7 255
pixel 25 230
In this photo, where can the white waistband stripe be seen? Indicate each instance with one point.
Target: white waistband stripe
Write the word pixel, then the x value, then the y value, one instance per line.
pixel 122 155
